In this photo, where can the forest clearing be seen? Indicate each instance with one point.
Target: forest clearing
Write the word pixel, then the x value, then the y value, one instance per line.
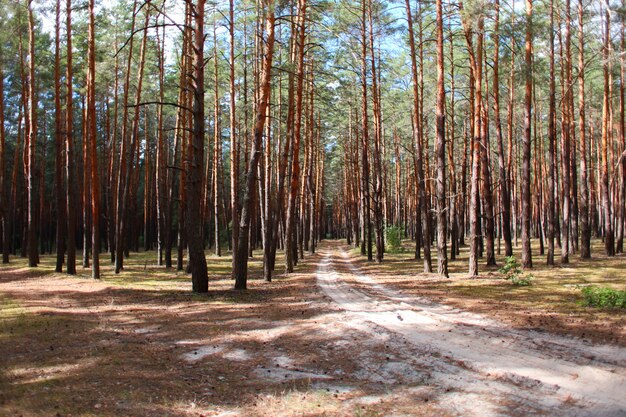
pixel 312 208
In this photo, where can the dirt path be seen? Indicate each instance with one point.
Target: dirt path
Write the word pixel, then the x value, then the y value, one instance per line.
pixel 486 367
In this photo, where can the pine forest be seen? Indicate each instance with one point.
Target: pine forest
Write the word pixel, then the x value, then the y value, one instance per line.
pixel 312 207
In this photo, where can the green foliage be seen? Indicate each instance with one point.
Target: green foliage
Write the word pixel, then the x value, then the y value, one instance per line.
pixel 512 272
pixel 393 238
pixel 603 297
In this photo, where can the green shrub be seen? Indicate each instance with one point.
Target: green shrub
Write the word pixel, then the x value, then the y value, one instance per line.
pixel 512 272
pixel 393 238
pixel 603 297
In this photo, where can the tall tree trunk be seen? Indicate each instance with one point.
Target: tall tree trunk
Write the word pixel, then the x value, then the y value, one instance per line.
pixel 505 196
pixel 585 231
pixel 440 151
pixel 69 150
pixel 33 250
pixel 527 261
pixel 234 145
pixel 606 103
pixel 59 141
pixel 421 187
pixel 378 169
pixel 476 59
pixel 565 162
pixel 291 224
pixel 217 148
pixel 240 272
pixel 163 218
pixel 86 195
pixel 622 197
pixel 5 206
pixel 91 137
pixel 124 168
pixel 195 160
pixel 487 192
pixel 568 102
pixel 552 219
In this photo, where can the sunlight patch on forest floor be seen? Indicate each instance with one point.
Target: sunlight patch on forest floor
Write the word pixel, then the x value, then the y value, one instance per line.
pixel 140 343
pixel 553 302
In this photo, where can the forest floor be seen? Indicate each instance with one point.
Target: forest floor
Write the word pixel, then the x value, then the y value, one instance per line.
pixel 341 337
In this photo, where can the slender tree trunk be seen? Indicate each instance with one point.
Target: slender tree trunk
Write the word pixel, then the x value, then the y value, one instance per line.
pixel 240 272
pixel 505 196
pixel 234 145
pixel 552 219
pixel 69 150
pixel 86 196
pixel 585 231
pixel 609 247
pixel 124 168
pixel 217 148
pixel 622 198
pixel 163 222
pixel 476 68
pixel 440 151
pixel 33 250
pixel 59 140
pixel 526 141
pixel 91 137
pixel 487 193
pixel 195 159
pixel 378 169
pixel 570 127
pixel 565 164
pixel 291 224
pixel 5 206
pixel 421 184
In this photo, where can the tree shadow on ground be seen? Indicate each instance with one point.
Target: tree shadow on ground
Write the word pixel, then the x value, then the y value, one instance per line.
pixel 75 346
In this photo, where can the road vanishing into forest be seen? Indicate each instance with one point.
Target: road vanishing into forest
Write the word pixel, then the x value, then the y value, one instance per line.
pixel 488 368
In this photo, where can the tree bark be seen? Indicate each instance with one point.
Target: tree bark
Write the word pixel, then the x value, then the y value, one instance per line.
pixel 69 150
pixel 5 207
pixel 421 184
pixel 526 141
pixel 622 198
pixel 91 136
pixel 505 196
pixel 124 168
pixel 33 250
pixel 291 222
pixel 378 168
pixel 59 141
pixel 609 247
pixel 585 231
pixel 440 151
pixel 195 160
pixel 240 272
pixel 234 154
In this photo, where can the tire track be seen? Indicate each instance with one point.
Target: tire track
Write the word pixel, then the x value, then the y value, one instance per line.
pixel 493 368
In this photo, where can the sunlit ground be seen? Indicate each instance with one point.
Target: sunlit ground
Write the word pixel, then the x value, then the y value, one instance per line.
pixel 555 290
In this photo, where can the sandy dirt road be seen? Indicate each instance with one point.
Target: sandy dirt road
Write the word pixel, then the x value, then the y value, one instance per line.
pixel 487 368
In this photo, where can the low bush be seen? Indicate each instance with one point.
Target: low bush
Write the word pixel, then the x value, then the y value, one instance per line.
pixel 393 238
pixel 512 272
pixel 603 297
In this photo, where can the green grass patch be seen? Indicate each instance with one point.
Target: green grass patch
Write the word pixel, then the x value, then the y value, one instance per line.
pixel 595 296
